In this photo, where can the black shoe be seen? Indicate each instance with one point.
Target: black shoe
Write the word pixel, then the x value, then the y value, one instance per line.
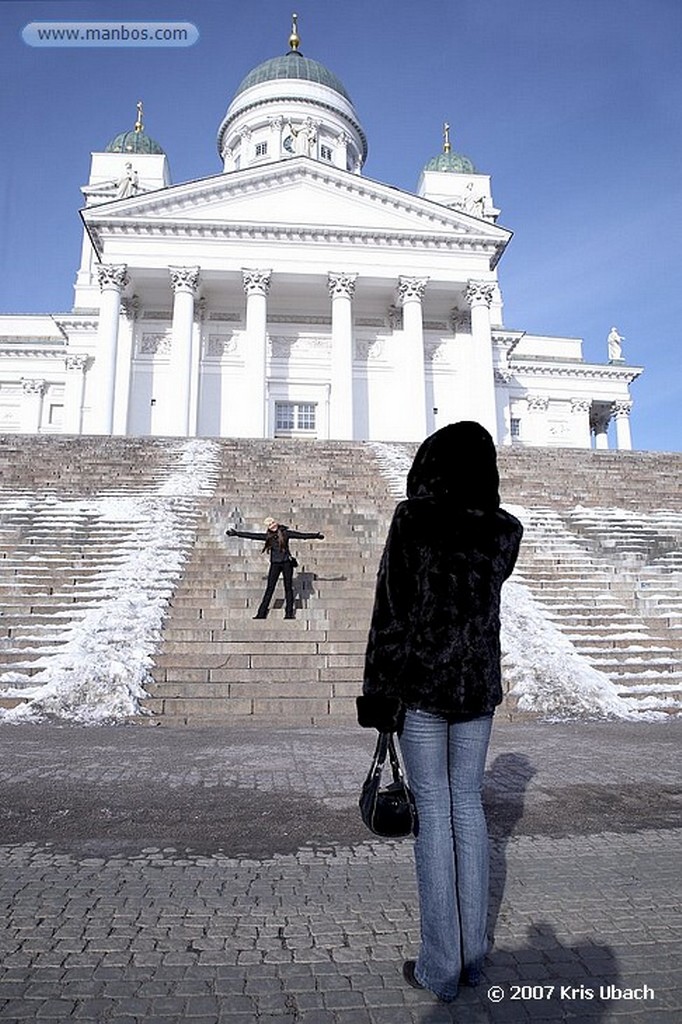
pixel 472 979
pixel 259 616
pixel 408 974
pixel 292 616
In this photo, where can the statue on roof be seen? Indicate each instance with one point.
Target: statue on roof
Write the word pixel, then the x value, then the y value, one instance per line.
pixel 614 345
pixel 128 184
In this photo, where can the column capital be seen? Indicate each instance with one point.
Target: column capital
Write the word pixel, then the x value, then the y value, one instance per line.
pixel 600 417
pixel 580 406
pixel 112 276
pixel 184 279
pixel 480 293
pixel 256 282
pixel 33 386
pixel 623 408
pixel 411 289
pixel 76 362
pixel 538 403
pixel 341 285
pixel 131 308
pixel 460 320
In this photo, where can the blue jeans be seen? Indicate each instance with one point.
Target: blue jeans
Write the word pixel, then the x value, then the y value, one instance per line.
pixel 444 765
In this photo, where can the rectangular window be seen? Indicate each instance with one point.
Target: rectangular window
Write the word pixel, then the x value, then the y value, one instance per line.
pixel 56 415
pixel 305 419
pixel 284 416
pixel 294 417
pixel 515 426
pixel 326 153
pixel 261 148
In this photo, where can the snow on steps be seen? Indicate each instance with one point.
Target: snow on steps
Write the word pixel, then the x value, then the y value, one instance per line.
pixel 96 534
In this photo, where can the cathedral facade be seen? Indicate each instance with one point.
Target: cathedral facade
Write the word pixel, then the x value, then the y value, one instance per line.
pixel 288 295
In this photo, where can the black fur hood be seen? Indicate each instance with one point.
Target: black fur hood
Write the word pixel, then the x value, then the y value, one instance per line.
pixel 457 464
pixel 434 637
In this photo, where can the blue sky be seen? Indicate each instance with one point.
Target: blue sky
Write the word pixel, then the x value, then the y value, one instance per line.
pixel 573 106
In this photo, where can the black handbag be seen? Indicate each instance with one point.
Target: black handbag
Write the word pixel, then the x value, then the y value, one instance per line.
pixel 389 811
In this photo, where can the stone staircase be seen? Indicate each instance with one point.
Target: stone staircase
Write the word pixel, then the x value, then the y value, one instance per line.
pixel 601 555
pixel 76 515
pixel 216 662
pixel 610 581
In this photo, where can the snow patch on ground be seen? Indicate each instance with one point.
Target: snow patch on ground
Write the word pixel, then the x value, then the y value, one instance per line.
pixel 101 670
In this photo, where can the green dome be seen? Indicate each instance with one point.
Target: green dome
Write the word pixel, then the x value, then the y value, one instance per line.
pixel 295 66
pixel 133 142
pixel 454 163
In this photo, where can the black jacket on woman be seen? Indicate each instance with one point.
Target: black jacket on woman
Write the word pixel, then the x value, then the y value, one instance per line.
pixel 279 552
pixel 434 640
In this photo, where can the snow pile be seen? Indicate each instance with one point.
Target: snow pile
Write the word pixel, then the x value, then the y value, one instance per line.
pixel 100 672
pixel 544 670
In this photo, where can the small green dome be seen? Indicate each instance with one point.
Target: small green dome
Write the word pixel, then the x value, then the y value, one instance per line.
pixel 292 65
pixel 454 163
pixel 133 142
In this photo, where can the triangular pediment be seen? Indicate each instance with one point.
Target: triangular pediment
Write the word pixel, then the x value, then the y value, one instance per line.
pixel 293 195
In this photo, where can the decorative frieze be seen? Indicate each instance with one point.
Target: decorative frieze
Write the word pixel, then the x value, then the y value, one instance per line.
pixel 154 344
pixel 224 317
pixel 218 345
pixel 284 345
pixel 156 314
pixel 296 318
pixel 368 349
pixel 436 351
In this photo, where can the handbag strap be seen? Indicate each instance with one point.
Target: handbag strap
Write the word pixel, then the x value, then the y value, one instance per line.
pixel 386 747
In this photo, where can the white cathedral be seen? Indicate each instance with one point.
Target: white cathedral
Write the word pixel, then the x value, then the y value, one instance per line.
pixel 287 295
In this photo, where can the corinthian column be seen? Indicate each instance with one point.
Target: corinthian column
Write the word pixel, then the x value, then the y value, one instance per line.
pixel 481 378
pixel 341 290
pixel 621 412
pixel 411 292
pixel 112 280
pixel 185 281
pixel 256 287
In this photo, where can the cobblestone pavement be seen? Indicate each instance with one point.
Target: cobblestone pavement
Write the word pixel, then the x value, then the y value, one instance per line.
pixel 222 875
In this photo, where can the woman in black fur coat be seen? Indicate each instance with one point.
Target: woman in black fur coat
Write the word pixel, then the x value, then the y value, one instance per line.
pixel 432 673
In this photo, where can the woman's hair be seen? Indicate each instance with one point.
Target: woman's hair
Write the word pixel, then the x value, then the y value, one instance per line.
pixel 278 537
